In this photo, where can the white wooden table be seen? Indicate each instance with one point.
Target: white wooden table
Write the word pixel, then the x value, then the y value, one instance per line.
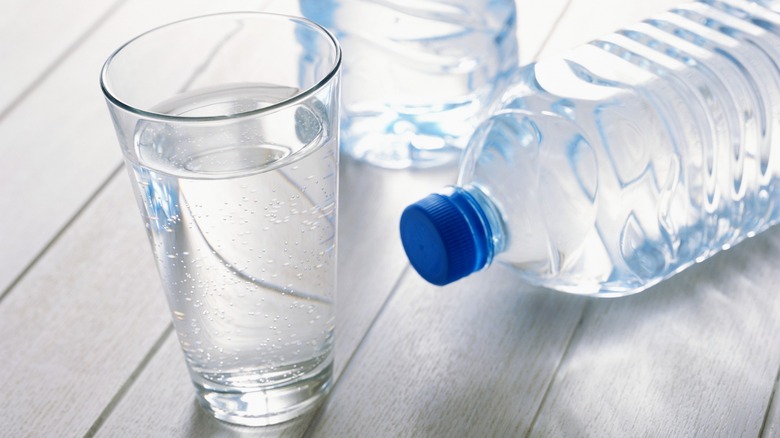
pixel 86 346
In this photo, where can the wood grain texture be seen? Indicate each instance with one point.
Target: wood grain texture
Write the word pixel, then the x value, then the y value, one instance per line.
pixel 535 24
pixel 694 356
pixel 23 64
pixel 80 322
pixel 771 426
pixel 163 405
pixel 371 255
pixel 586 20
pixel 470 359
pixel 58 143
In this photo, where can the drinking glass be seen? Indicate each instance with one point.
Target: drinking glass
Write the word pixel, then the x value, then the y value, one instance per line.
pixel 229 129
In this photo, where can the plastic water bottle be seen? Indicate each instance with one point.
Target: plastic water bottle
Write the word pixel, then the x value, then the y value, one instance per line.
pixel 418 75
pixel 622 162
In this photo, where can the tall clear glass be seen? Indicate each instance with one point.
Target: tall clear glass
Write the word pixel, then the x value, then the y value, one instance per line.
pixel 229 129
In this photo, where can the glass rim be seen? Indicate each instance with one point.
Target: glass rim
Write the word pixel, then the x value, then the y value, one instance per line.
pixel 302 95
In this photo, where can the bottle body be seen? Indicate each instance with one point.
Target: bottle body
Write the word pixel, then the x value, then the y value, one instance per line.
pixel 624 161
pixel 418 75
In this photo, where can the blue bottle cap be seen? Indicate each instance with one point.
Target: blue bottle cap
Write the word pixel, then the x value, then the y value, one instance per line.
pixel 446 237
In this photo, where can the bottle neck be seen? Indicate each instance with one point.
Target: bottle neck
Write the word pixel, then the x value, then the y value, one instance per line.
pixel 489 215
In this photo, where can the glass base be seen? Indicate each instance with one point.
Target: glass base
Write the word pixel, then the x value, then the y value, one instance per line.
pixel 267 406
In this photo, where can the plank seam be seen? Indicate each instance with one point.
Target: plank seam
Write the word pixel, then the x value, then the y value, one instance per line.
pixel 764 432
pixel 569 343
pixel 60 59
pixel 584 309
pixel 120 394
pixel 393 290
pixel 552 30
pixel 59 234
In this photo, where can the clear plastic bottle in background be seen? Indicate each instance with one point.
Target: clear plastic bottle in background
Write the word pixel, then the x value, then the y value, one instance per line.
pixel 622 162
pixel 418 75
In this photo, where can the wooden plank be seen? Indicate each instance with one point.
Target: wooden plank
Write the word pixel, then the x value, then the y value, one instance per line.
pixel 371 255
pixel 59 144
pixel 696 355
pixel 771 427
pixel 586 20
pixel 170 410
pixel 80 322
pixel 21 65
pixel 470 359
pixel 535 24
